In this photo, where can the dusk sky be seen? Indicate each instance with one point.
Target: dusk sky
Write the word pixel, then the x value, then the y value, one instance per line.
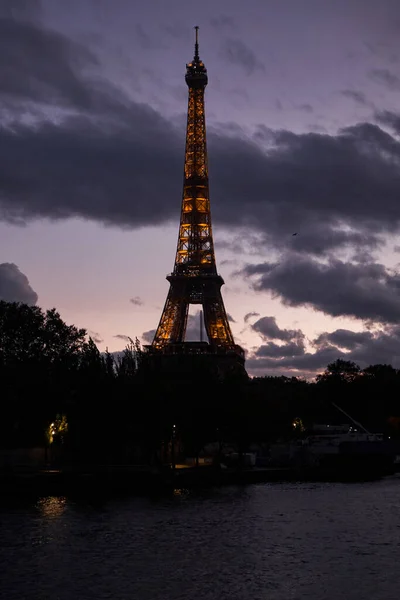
pixel 303 126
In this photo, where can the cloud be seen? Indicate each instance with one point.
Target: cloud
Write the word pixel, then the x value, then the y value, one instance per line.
pixel 389 118
pixel 249 315
pixel 386 78
pixel 362 291
pixel 273 350
pixel 96 337
pixel 238 53
pixel 14 285
pixel 125 338
pixel 356 95
pixel 382 347
pixel 344 338
pixel 96 160
pixel 307 364
pixel 136 301
pixel 148 336
pixel 68 161
pixel 41 65
pixel 365 348
pixel 268 329
pixel 289 358
pixel 230 318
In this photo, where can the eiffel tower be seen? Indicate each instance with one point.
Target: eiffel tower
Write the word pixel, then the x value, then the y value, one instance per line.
pixel 194 279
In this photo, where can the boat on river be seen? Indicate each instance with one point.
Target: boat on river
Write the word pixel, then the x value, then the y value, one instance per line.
pixel 343 451
pixel 347 451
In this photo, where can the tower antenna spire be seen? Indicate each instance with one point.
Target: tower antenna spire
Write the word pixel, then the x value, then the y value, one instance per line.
pixel 196 45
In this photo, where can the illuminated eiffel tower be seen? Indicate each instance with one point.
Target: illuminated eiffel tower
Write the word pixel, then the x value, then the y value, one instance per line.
pixel 194 279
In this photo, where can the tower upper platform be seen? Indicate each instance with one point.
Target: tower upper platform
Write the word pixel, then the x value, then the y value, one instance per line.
pixel 196 72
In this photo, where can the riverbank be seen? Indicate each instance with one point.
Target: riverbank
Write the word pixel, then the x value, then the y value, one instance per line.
pixel 144 480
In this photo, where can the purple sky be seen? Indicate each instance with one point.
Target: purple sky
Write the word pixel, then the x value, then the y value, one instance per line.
pixel 303 130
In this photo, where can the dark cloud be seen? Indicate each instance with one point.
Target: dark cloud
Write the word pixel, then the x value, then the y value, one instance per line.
pixel 268 328
pixel 14 285
pixel 249 315
pixel 230 318
pixel 136 301
pixel 389 118
pixel 382 348
pixel 148 336
pixel 125 338
pixel 319 240
pixel 344 338
pixel 332 189
pixel 58 171
pixel 335 190
pixel 83 156
pixel 243 242
pixel 40 65
pixel 273 350
pixel 355 95
pixel 96 337
pixel 90 172
pixel 386 78
pixel 362 256
pixel 238 53
pixel 307 364
pixel 364 348
pixel 362 291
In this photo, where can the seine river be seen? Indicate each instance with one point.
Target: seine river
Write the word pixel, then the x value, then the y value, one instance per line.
pixel 269 542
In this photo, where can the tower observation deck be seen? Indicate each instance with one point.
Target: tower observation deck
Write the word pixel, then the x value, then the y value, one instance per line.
pixel 194 279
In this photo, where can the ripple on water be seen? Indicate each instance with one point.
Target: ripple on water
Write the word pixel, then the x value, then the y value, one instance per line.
pixel 274 541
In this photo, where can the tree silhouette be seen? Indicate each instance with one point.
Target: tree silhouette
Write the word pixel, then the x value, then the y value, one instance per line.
pixel 339 371
pixel 120 410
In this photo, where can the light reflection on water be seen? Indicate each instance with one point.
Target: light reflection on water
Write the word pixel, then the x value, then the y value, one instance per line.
pixel 52 506
pixel 263 542
pixel 181 492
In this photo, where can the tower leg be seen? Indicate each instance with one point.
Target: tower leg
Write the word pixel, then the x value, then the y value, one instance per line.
pixel 216 321
pixel 172 326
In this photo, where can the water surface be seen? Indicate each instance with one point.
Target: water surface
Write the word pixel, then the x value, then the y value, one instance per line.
pixel 269 542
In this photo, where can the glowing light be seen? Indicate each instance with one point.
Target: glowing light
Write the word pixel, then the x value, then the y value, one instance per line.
pixel 52 506
pixel 298 424
pixel 57 429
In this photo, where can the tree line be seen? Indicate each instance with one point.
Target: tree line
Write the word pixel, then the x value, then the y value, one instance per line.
pixel 57 387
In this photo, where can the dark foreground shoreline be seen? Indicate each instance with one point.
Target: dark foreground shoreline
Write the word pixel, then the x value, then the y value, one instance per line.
pixel 106 480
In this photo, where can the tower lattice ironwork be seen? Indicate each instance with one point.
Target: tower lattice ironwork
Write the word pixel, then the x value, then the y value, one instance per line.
pixel 194 279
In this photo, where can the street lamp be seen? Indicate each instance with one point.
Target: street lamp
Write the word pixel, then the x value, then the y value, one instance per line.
pixel 173 447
